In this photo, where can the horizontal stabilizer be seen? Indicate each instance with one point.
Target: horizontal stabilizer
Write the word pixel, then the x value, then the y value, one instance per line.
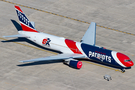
pixel 57 57
pixel 10 36
pixel 33 24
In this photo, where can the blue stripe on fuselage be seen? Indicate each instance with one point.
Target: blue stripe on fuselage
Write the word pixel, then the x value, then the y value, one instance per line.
pixel 99 54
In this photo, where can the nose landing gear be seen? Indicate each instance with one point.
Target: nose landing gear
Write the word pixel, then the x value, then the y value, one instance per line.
pixel 122 70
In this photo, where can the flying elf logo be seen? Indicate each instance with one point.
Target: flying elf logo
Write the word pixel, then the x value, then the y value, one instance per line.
pixel 46 42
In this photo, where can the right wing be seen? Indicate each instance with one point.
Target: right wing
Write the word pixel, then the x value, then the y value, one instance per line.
pixel 90 35
pixel 57 57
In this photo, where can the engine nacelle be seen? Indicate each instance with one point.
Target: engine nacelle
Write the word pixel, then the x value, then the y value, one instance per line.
pixel 73 63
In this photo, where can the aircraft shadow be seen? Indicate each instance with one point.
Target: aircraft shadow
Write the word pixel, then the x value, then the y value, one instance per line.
pixel 17 25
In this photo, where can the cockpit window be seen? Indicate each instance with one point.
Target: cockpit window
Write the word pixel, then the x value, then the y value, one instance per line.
pixel 127 60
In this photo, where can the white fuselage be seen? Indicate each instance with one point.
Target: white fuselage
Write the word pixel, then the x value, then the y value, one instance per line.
pixel 56 43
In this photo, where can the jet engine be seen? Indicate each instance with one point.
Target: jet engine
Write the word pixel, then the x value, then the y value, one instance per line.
pixel 73 63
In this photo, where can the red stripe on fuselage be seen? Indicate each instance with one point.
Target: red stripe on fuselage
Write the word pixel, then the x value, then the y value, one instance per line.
pixel 26 28
pixel 72 46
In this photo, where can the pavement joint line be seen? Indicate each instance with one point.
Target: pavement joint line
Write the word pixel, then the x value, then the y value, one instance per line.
pixel 67 17
pixel 57 53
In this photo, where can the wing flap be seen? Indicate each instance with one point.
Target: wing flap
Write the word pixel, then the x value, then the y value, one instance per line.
pixel 90 35
pixel 57 57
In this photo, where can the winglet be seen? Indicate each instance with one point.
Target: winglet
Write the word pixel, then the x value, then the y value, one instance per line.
pixel 90 35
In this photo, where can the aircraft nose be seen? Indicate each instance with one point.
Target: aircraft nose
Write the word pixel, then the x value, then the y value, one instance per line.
pixel 129 64
pixel 125 60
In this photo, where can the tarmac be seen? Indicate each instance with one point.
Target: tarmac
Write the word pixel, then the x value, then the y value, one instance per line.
pixel 70 19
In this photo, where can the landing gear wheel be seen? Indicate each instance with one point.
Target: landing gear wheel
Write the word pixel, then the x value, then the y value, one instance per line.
pixel 122 70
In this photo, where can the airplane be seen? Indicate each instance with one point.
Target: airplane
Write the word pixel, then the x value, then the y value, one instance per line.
pixel 71 50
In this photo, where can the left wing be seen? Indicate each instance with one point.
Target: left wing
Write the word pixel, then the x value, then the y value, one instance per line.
pixel 57 57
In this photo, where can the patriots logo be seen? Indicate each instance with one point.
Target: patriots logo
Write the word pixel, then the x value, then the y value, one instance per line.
pixel 46 42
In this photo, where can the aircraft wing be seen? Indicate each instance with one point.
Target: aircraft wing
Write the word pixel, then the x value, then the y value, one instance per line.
pixel 90 35
pixel 57 57
pixel 10 36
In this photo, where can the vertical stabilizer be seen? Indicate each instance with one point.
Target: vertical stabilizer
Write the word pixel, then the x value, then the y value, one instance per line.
pixel 24 21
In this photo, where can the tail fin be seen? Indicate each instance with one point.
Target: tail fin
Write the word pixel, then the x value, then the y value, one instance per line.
pixel 24 21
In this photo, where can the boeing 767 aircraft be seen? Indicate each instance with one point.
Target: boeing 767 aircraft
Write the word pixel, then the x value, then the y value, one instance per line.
pixel 71 50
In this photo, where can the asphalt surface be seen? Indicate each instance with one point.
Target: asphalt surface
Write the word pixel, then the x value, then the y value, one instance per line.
pixel 69 19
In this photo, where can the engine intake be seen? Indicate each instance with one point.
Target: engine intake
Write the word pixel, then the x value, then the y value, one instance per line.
pixel 73 63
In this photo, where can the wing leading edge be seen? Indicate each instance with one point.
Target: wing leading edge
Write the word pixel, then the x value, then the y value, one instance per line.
pixel 57 57
pixel 90 35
